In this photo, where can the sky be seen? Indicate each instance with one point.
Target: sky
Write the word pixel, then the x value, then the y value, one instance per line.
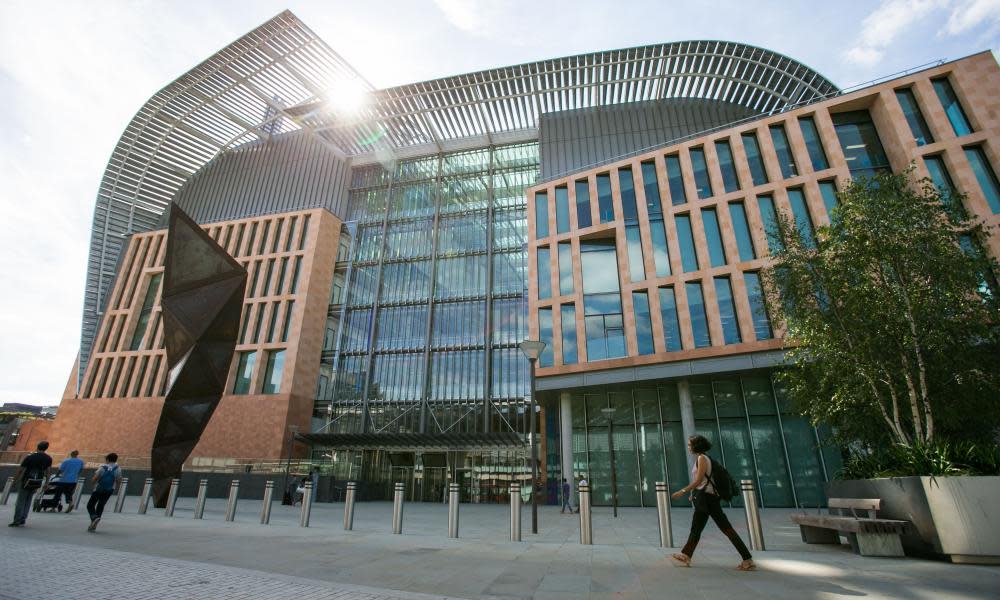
pixel 73 74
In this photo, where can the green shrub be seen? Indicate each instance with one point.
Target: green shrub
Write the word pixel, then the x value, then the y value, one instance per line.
pixel 936 459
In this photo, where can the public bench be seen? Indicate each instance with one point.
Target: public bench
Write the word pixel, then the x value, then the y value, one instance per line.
pixel 868 535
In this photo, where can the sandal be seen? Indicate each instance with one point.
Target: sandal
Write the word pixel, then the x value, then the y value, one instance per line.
pixel 747 565
pixel 683 559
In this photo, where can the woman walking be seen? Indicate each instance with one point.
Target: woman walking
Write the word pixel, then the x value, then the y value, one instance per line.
pixel 706 504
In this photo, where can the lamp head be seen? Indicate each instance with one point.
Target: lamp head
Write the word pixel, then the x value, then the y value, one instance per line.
pixel 532 349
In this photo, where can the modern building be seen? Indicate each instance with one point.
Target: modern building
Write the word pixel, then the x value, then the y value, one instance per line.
pixel 401 242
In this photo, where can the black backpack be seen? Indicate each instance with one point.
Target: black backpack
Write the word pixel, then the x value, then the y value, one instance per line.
pixel 724 484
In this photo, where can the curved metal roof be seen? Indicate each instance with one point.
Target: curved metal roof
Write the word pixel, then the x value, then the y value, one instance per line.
pixel 281 77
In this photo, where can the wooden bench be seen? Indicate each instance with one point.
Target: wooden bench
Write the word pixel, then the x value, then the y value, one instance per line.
pixel 868 535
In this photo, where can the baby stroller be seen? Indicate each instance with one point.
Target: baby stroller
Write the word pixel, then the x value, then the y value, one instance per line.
pixel 48 498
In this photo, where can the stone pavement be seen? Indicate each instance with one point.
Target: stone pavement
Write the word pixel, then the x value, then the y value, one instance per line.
pixel 624 563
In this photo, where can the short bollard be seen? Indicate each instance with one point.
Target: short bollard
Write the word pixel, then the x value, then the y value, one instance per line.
pixel 586 529
pixel 234 495
pixel 515 512
pixel 199 503
pixel 7 487
pixel 453 510
pixel 397 508
pixel 122 489
pixel 265 509
pixel 306 505
pixel 147 489
pixel 349 505
pixel 663 515
pixel 78 493
pixel 753 514
pixel 175 485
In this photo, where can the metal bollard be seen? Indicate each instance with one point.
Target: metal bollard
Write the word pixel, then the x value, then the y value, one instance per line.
pixel 265 509
pixel 586 527
pixel 175 485
pixel 78 493
pixel 147 489
pixel 515 512
pixel 349 505
pixel 663 515
pixel 397 508
pixel 7 487
pixel 199 503
pixel 234 495
pixel 753 514
pixel 453 510
pixel 306 505
pixel 122 489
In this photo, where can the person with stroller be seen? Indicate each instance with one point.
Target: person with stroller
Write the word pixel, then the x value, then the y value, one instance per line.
pixel 65 482
pixel 106 479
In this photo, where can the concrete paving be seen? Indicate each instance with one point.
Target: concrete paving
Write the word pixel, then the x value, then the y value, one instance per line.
pixel 624 563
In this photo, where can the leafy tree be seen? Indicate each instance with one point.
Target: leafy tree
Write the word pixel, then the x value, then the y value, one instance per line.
pixel 891 325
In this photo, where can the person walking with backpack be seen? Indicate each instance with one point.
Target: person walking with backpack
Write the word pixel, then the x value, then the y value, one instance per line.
pixel 69 470
pixel 710 484
pixel 106 478
pixel 30 476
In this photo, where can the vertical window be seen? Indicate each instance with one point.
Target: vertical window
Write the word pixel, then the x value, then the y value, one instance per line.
pixel 244 370
pixel 758 308
pixel 754 159
pixel 626 185
pixel 860 142
pixel 544 274
pixel 545 335
pixel 952 107
pixel 652 189
pixel 272 375
pixel 147 309
pixel 785 158
pixel 643 324
pixel 565 268
pixel 668 312
pixel 602 305
pixel 635 267
pixel 769 218
pixel 716 253
pixel 727 165
pixel 803 222
pixel 265 291
pixel 741 228
pixel 562 210
pixel 675 180
pixel 828 190
pixel 605 205
pixel 699 319
pixel 813 143
pixel 294 288
pixel 689 259
pixel 914 118
pixel 727 311
pixel 939 175
pixel 289 311
pixel 985 176
pixel 661 255
pixel 583 204
pixel 541 215
pixel 701 178
pixel 568 317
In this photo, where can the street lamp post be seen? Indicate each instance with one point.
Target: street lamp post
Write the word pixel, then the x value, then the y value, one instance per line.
pixel 532 349
pixel 611 449
pixel 288 461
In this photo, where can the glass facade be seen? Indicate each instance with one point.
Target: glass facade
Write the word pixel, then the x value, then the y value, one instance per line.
pixel 602 305
pixel 637 271
pixel 685 237
pixel 713 236
pixel 754 159
pixel 701 179
pixel 675 180
pixel 828 190
pixel 652 189
pixel 803 221
pixel 643 322
pixel 568 319
pixel 769 218
pixel 699 318
pixel 727 311
pixel 661 253
pixel 985 176
pixel 541 215
pixel 741 228
pixel 813 143
pixel 758 307
pixel 668 312
pixel 544 273
pixel 784 151
pixel 244 372
pixel 728 167
pixel 562 210
pixel 952 107
pixel 273 372
pixel 860 143
pixel 605 205
pixel 914 118
pixel 565 268
pixel 940 177
pixel 582 189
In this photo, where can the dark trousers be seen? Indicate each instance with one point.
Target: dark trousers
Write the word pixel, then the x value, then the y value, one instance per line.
pixel 95 506
pixel 705 506
pixel 65 490
pixel 23 505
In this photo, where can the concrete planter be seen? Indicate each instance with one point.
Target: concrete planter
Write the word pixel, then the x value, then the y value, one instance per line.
pixel 954 518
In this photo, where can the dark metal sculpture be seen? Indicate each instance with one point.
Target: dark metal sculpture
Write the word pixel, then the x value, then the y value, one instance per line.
pixel 202 301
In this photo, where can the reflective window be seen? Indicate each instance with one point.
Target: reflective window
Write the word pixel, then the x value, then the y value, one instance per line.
pixel 562 210
pixel 582 188
pixel 727 311
pixel 940 177
pixel 568 316
pixel 244 371
pixel 604 325
pixel 813 143
pixel 828 189
pixel 605 205
pixel 636 270
pixel 769 218
pixel 699 319
pixel 545 335
pixel 541 215
pixel 754 158
pixel 675 180
pixel 643 323
pixel 914 118
pixel 272 375
pixel 689 260
pixel 661 255
pixel 544 273
pixel 860 142
pixel 758 308
pixel 985 176
pixel 727 165
pixel 952 107
pixel 599 265
pixel 152 289
pixel 626 186
pixel 652 189
pixel 701 178
pixel 785 158
pixel 668 312
pixel 713 237
pixel 741 228
pixel 803 221
pixel 565 268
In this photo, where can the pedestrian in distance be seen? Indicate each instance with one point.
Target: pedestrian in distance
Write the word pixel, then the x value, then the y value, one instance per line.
pixel 567 492
pixel 706 493
pixel 69 471
pixel 30 476
pixel 106 479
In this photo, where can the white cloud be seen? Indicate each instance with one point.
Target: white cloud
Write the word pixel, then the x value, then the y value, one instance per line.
pixel 886 23
pixel 492 19
pixel 970 14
